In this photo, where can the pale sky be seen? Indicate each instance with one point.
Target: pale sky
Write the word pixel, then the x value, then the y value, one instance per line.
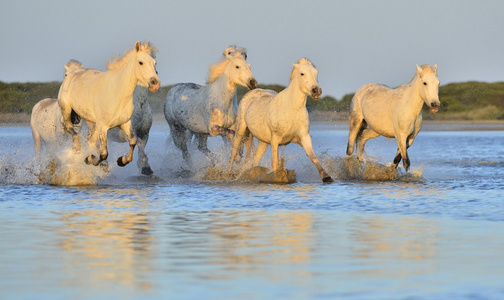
pixel 350 42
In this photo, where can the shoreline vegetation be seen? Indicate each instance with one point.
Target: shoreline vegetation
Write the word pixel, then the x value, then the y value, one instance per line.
pixel 465 103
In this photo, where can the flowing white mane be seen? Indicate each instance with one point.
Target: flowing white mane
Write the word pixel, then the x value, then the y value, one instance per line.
pixel 119 61
pixel 301 61
pixel 216 70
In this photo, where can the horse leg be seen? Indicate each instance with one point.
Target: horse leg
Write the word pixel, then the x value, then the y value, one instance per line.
pixel 236 143
pixel 356 125
pixel 125 159
pixel 101 132
pixel 66 112
pixel 178 134
pixel 274 152
pixel 363 138
pixel 203 145
pixel 143 161
pixel 306 143
pixel 261 148
pixel 403 153
pixel 249 144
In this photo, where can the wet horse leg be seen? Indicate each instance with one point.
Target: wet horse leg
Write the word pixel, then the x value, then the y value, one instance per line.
pixel 66 112
pixel 101 133
pixel 143 161
pixel 261 148
pixel 126 159
pixel 306 143
pixel 274 152
pixel 236 142
pixel 178 133
pixel 399 156
pixel 363 138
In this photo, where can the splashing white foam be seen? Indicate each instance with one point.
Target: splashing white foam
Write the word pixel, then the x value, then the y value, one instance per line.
pixel 351 168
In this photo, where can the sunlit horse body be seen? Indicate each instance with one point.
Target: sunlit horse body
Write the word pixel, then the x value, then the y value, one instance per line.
pixel 106 98
pixel 280 118
pixel 207 110
pixel 47 121
pixel 394 113
pixel 141 121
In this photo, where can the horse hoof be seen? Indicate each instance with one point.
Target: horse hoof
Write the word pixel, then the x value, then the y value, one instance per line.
pixel 89 160
pixel 120 162
pixel 327 179
pixel 147 171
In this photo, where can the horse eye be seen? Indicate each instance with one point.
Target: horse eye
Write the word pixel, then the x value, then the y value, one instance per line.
pixel 237 67
pixel 141 63
pixel 302 74
pixel 425 83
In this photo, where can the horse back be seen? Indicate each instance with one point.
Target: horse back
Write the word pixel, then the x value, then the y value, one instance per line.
pixel 376 104
pixel 46 119
pixel 184 106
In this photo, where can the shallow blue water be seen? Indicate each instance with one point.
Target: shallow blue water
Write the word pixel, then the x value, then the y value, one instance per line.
pixel 182 237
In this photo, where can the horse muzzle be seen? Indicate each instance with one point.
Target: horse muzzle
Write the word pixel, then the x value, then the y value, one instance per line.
pixel 434 107
pixel 316 92
pixel 252 84
pixel 154 85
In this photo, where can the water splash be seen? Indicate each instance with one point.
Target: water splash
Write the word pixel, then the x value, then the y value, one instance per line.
pixel 351 168
pixel 69 169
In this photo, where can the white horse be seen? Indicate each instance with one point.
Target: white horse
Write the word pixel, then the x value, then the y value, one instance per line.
pixel 280 118
pixel 207 110
pixel 393 113
pixel 106 98
pixel 46 119
pixel 141 121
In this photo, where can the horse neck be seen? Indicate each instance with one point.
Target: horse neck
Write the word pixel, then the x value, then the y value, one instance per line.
pixel 413 100
pixel 222 89
pixel 292 96
pixel 126 80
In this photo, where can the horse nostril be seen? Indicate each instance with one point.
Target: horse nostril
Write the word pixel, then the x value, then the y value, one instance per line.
pixel 252 83
pixel 153 81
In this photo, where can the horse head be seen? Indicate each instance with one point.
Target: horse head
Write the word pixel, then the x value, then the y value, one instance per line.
pixel 239 71
pixel 233 51
pixel 429 86
pixel 306 74
pixel 145 66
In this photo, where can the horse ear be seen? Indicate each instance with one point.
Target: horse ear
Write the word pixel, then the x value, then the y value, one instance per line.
pixel 434 68
pixel 296 66
pixel 419 70
pixel 137 46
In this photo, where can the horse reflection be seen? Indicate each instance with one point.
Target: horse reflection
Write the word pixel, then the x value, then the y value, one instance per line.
pixel 109 245
pixel 383 245
pixel 263 238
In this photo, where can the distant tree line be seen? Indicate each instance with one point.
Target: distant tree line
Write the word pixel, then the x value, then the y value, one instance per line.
pixel 459 101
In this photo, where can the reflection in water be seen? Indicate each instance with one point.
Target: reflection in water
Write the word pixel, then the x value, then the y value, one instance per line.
pixel 383 245
pixel 263 238
pixel 109 245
